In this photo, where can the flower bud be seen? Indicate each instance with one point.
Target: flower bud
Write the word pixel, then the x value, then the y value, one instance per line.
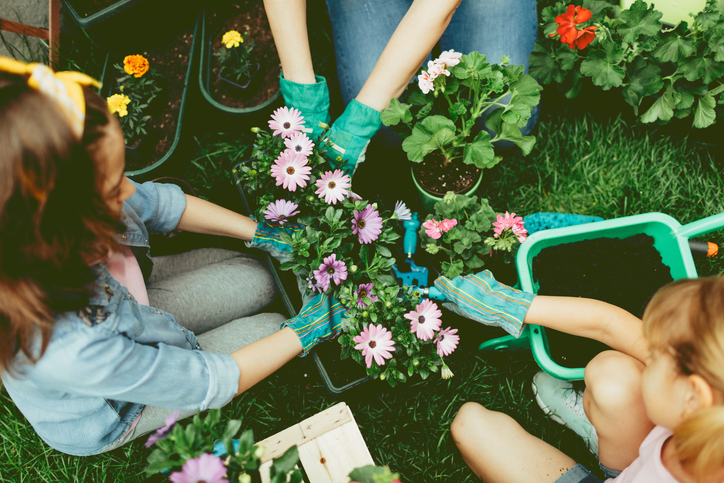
pixel 339 159
pixel 353 268
pixel 323 125
pixel 310 198
pixel 382 377
pixel 388 304
pixel 415 362
pixel 259 451
pixel 365 314
pixel 449 197
pixel 252 172
pixel 244 478
pixel 255 130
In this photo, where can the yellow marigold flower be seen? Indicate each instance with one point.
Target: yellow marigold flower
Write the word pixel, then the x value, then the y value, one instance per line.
pixel 232 38
pixel 117 103
pixel 135 65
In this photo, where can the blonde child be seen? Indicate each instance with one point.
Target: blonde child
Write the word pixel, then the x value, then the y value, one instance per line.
pixel 669 406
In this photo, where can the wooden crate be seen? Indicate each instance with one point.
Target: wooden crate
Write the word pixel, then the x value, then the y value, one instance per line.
pixel 330 446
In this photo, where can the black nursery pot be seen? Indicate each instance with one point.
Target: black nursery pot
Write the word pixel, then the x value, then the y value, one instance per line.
pixel 236 85
pixel 338 375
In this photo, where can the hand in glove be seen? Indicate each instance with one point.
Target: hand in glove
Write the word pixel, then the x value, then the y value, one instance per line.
pixel 350 135
pixel 311 99
pixel 319 320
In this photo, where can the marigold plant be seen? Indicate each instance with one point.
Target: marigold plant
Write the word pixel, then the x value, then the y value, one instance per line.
pixel 235 58
pixel 137 86
pixel 135 65
pixel 118 103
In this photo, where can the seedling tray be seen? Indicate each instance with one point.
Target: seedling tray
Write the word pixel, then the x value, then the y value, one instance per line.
pixel 671 239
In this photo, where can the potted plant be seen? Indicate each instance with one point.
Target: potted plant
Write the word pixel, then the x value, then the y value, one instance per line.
pixel 206 450
pixel 169 67
pixel 439 124
pixel 226 54
pixel 344 250
pixel 662 73
pixel 464 235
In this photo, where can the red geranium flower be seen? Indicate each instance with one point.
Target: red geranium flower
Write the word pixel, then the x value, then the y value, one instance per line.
pixel 567 27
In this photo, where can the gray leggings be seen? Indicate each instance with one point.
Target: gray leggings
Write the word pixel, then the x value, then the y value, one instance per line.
pixel 213 293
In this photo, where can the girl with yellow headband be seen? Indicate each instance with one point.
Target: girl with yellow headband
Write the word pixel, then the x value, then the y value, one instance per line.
pixel 98 344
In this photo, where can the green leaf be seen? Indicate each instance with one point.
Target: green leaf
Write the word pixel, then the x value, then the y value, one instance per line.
pixel 525 96
pixel 480 152
pixel 717 46
pixel 417 98
pixel 644 80
pixel 473 64
pixel 602 66
pixel 420 142
pixel 704 115
pixel 383 250
pixel 598 9
pixel 508 131
pixel 640 19
pixel 452 270
pixel 662 109
pixel 702 68
pixel 673 48
pixel 386 279
pixel 396 113
pixel 285 463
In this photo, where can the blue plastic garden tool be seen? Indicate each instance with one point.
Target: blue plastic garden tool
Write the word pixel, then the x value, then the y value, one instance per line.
pixel 415 275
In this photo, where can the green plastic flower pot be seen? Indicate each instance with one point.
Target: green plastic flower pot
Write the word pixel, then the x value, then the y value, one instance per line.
pixel 132 25
pixel 671 239
pixel 286 285
pixel 428 200
pixel 106 90
pixel 223 117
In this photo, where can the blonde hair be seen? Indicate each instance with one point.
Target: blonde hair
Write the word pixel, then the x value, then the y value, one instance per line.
pixel 686 319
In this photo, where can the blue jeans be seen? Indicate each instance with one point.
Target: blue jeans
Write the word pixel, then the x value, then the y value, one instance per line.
pixel 495 28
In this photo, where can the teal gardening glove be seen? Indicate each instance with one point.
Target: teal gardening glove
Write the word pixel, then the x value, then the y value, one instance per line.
pixel 268 237
pixel 350 135
pixel 311 99
pixel 319 320
pixel 482 298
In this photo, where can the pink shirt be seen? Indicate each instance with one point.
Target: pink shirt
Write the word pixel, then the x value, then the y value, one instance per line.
pixel 124 267
pixel 648 468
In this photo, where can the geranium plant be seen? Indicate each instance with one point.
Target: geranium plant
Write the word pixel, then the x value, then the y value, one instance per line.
pixel 663 73
pixel 234 56
pixel 344 248
pixel 189 454
pixel 453 93
pixel 138 87
pixel 458 234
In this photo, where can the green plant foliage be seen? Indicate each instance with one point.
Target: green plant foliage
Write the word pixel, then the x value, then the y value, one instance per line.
pixel 681 69
pixel 236 61
pixel 141 91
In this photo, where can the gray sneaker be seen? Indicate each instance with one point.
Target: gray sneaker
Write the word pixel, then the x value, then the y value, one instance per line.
pixel 564 405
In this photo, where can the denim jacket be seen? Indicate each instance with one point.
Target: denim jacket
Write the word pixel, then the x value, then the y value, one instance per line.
pixel 108 360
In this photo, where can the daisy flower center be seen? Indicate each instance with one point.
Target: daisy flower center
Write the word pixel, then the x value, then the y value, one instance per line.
pixel 290 170
pixel 361 224
pixel 330 270
pixel 332 185
pixel 297 148
pixel 363 293
pixel 421 319
pixel 287 125
pixel 372 344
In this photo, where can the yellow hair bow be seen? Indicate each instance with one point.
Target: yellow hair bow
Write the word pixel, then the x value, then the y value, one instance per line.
pixel 64 87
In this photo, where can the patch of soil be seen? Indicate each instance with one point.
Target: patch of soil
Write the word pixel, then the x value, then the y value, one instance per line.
pixel 244 16
pixel 340 371
pixel 437 179
pixel 170 58
pixel 623 272
pixel 86 8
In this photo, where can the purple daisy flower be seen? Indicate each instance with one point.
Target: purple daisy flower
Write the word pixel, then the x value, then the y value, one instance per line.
pixel 313 285
pixel 333 269
pixel 163 431
pixel 280 211
pixel 365 290
pixel 367 224
pixel 206 468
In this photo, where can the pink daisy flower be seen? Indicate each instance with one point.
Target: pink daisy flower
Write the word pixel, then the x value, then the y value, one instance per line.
pixel 425 319
pixel 402 212
pixel 367 224
pixel 291 170
pixel 449 58
pixel 163 431
pixel 446 341
pixel 425 82
pixel 375 341
pixel 432 229
pixel 280 210
pixel 365 290
pixel 333 186
pixel 331 268
pixel 207 468
pixel 445 225
pixel 299 143
pixel 286 121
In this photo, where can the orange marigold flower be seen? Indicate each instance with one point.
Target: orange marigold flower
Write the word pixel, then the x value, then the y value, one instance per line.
pixel 135 65
pixel 568 30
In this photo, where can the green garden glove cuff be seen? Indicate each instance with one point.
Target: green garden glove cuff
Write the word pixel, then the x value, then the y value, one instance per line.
pixel 351 133
pixel 269 238
pixel 311 99
pixel 319 320
pixel 482 298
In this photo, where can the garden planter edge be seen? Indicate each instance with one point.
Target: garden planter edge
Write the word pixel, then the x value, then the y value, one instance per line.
pixel 428 200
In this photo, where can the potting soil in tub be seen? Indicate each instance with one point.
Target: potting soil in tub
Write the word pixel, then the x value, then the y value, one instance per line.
pixel 623 272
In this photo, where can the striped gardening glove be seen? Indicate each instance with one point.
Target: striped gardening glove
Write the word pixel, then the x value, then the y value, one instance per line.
pixel 481 298
pixel 320 319
pixel 269 238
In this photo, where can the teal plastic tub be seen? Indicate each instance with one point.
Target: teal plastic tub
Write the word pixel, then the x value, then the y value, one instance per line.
pixel 671 239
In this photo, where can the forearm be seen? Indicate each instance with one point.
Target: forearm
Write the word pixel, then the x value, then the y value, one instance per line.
pixel 593 319
pixel 265 356
pixel 288 22
pixel 204 217
pixel 415 36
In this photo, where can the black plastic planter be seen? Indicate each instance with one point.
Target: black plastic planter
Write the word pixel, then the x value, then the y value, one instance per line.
pixel 243 86
pixel 108 85
pixel 286 284
pixel 132 25
pixel 225 117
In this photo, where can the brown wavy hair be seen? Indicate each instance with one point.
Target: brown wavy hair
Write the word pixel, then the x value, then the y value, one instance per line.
pixel 53 220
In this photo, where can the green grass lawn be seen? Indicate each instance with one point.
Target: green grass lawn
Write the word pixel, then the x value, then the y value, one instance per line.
pixel 588 160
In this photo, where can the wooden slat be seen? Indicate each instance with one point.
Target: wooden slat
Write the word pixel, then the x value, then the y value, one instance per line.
pixel 22 29
pixel 54 32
